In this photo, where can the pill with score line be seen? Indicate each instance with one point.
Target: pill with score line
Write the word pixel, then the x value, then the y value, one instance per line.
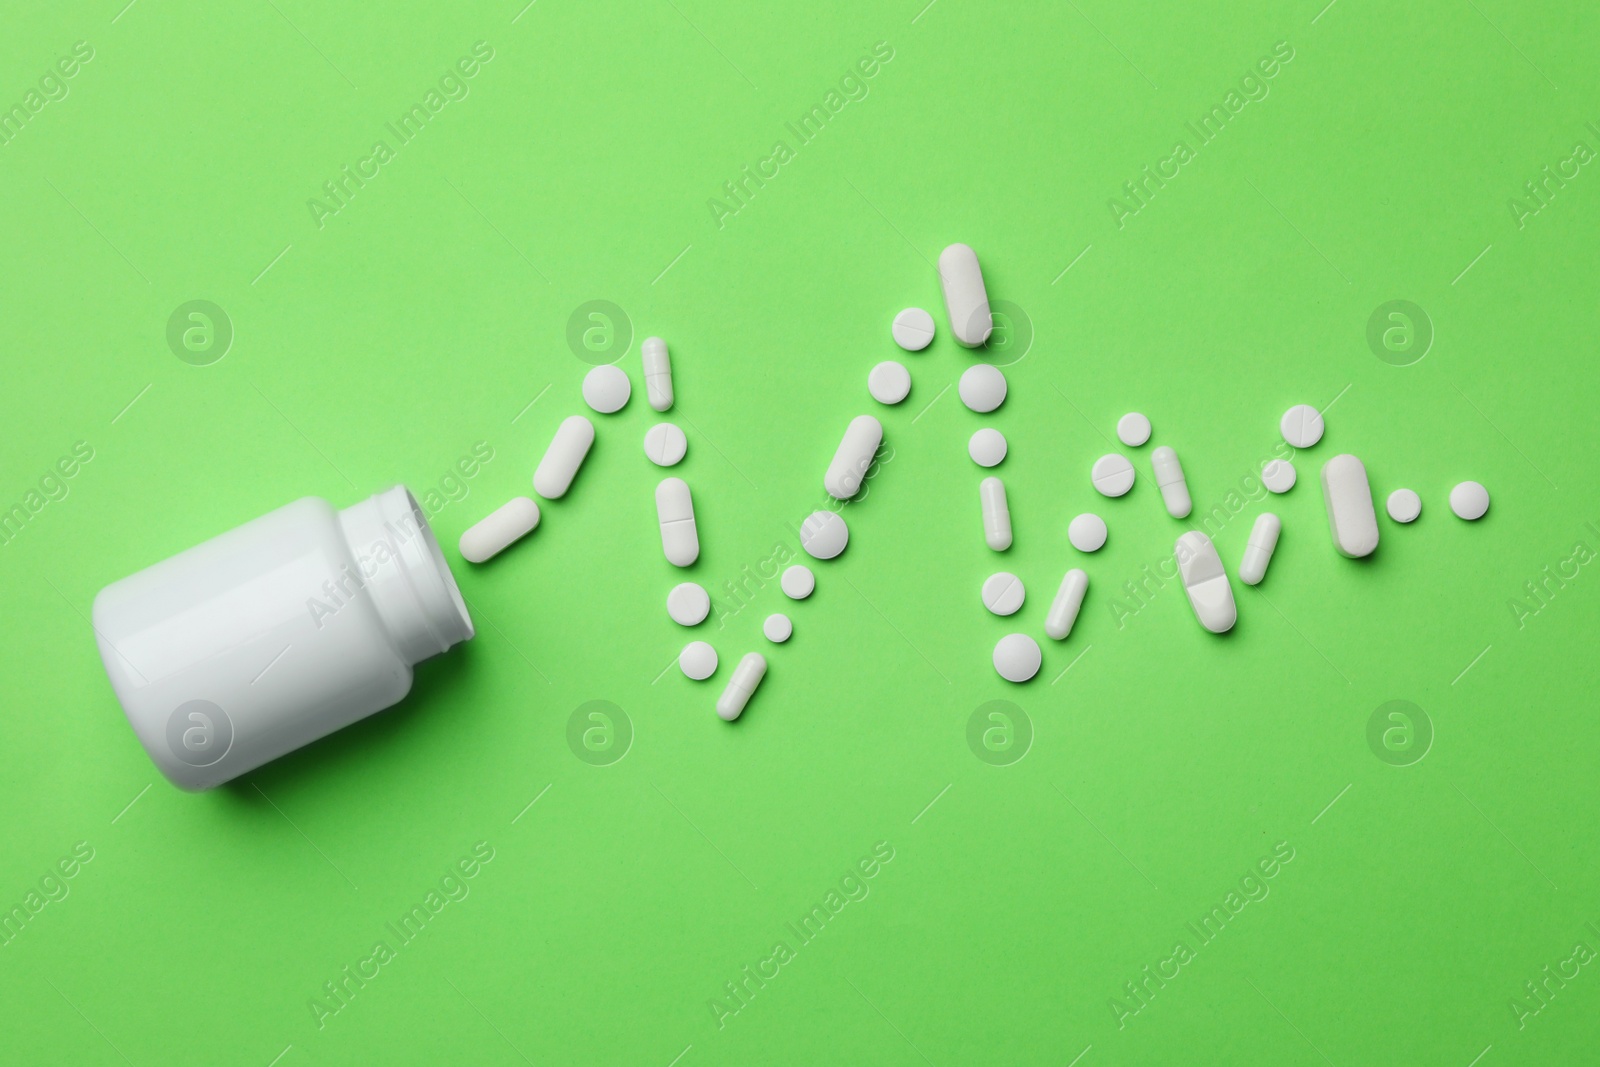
pixel 1206 582
pixel 853 456
pixel 966 302
pixel 499 529
pixel 553 477
pixel 675 510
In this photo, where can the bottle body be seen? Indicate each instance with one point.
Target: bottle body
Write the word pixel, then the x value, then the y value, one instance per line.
pixel 276 633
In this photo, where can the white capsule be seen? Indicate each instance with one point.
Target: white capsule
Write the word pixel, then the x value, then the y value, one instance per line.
pixel 1258 550
pixel 966 301
pixel 499 529
pixel 1351 517
pixel 1169 479
pixel 1064 608
pixel 1206 582
pixel 657 372
pixel 996 515
pixel 746 676
pixel 675 509
pixel 553 477
pixel 853 456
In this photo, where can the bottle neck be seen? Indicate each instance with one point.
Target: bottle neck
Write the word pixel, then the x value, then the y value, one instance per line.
pixel 402 569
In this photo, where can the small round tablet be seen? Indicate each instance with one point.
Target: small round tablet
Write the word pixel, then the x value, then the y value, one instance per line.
pixel 1003 593
pixel 913 329
pixel 987 447
pixel 606 388
pixel 665 444
pixel 1301 426
pixel 797 582
pixel 1017 657
pixel 1469 500
pixel 1087 532
pixel 889 382
pixel 777 628
pixel 1279 476
pixel 1404 505
pixel 823 535
pixel 1112 474
pixel 1133 429
pixel 982 387
pixel 688 604
pixel 698 660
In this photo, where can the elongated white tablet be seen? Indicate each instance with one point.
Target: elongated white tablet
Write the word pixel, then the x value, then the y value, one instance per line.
pixel 987 447
pixel 1404 505
pixel 746 676
pixel 797 582
pixel 913 329
pixel 1087 532
pixel 966 301
pixel 1003 593
pixel 1279 476
pixel 688 604
pixel 777 628
pixel 1133 429
pixel 1169 479
pixel 853 456
pixel 657 373
pixel 1064 608
pixel 553 477
pixel 1112 475
pixel 698 661
pixel 499 529
pixel 1017 657
pixel 1351 518
pixel 982 388
pixel 606 389
pixel 675 509
pixel 1301 425
pixel 1258 550
pixel 824 535
pixel 665 444
pixel 996 514
pixel 1470 501
pixel 1206 582
pixel 889 382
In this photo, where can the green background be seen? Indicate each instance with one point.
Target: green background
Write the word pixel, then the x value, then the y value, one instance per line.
pixel 426 315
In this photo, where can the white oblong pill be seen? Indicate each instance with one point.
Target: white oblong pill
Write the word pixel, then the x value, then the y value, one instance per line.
pixel 688 604
pixel 996 514
pixel 1469 500
pixel 499 529
pixel 1351 518
pixel 665 444
pixel 1017 657
pixel 1404 505
pixel 606 388
pixel 1087 532
pixel 966 302
pixel 777 628
pixel 1112 475
pixel 698 661
pixel 746 676
pixel 1169 479
pixel 657 373
pixel 987 447
pixel 824 535
pixel 1258 550
pixel 1003 593
pixel 889 382
pixel 1302 425
pixel 553 477
pixel 797 582
pixel 1064 608
pixel 675 510
pixel 1206 582
pixel 851 459
pixel 912 329
pixel 1279 476
pixel 1133 429
pixel 982 388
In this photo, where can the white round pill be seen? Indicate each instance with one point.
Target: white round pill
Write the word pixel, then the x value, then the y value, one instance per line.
pixel 1087 532
pixel 982 387
pixel 987 447
pixel 823 535
pixel 797 582
pixel 1279 476
pixel 665 444
pixel 1469 500
pixel 1301 426
pixel 698 660
pixel 1133 429
pixel 1404 505
pixel 913 329
pixel 777 628
pixel 688 604
pixel 1112 475
pixel 1017 657
pixel 1003 593
pixel 606 388
pixel 889 382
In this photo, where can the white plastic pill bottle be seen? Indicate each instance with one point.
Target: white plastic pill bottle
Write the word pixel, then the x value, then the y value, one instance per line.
pixel 276 633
